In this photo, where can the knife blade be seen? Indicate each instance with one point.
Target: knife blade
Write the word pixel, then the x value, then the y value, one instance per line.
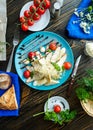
pixel 73 76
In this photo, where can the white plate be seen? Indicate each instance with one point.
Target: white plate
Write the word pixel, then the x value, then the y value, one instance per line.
pixel 41 23
pixel 56 100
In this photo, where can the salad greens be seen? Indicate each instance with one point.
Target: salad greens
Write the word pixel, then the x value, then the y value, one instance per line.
pixel 60 118
pixel 85 89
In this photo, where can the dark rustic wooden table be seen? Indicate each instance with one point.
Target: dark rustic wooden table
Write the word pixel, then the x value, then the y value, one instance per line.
pixel 32 101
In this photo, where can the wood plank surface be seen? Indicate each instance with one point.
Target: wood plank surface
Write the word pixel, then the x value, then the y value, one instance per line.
pixel 32 101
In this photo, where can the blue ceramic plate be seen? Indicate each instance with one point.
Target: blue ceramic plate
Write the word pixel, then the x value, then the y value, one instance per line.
pixel 35 46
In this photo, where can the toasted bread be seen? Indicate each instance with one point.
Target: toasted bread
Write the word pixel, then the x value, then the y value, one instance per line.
pixel 8 100
pixel 5 81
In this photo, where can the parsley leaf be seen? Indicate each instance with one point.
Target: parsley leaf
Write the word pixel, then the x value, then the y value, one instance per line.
pixel 60 118
pixel 85 89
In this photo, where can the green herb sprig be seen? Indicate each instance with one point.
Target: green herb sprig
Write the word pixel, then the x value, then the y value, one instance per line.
pixel 85 89
pixel 56 66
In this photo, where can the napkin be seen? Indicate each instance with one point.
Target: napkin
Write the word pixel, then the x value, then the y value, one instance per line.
pixel 3 24
pixel 74 30
pixel 15 81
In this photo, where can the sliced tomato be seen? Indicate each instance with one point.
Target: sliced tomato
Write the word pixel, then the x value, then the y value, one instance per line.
pixel 26 73
pixel 53 46
pixel 36 16
pixel 24 26
pixel 30 22
pixel 27 13
pixel 67 65
pixel 57 109
pixel 40 10
pixel 32 8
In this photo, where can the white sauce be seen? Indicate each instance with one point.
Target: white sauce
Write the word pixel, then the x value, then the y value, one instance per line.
pixel 89 49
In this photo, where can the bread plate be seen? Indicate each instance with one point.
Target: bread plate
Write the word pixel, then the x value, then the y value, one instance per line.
pixel 87 106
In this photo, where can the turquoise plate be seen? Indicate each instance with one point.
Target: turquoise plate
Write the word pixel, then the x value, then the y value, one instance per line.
pixel 36 46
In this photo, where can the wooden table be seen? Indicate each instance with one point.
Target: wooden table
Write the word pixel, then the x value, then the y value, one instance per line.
pixel 32 101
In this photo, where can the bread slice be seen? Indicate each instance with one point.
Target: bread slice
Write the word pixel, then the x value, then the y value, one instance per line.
pixel 5 81
pixel 8 100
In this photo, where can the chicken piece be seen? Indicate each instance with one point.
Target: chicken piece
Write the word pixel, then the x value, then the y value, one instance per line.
pixel 48 57
pixel 52 71
pixel 40 82
pixel 62 60
pixel 40 70
pixel 56 54
pixel 62 52
pixel 52 82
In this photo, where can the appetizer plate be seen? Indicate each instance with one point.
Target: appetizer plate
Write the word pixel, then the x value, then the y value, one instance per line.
pixel 56 100
pixel 41 23
pixel 35 46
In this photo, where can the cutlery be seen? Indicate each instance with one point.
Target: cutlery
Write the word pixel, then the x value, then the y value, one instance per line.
pixel 73 76
pixel 15 43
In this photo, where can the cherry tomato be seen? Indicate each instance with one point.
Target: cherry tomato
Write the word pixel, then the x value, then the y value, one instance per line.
pixel 67 65
pixel 57 108
pixel 36 16
pixel 46 4
pixel 26 73
pixel 40 10
pixel 24 26
pixel 27 13
pixel 53 46
pixel 30 22
pixel 31 55
pixel 32 8
pixel 22 19
pixel 37 3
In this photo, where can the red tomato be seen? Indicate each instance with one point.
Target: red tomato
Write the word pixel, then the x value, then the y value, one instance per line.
pixel 31 55
pixel 40 10
pixel 67 65
pixel 26 73
pixel 46 4
pixel 30 22
pixel 27 13
pixel 36 16
pixel 53 46
pixel 57 108
pixel 37 3
pixel 22 19
pixel 24 26
pixel 32 8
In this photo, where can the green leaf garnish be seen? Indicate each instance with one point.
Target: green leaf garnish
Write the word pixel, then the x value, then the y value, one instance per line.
pixel 85 89
pixel 56 66
pixel 60 118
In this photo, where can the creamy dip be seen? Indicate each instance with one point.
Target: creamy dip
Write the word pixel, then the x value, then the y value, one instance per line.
pixel 89 49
